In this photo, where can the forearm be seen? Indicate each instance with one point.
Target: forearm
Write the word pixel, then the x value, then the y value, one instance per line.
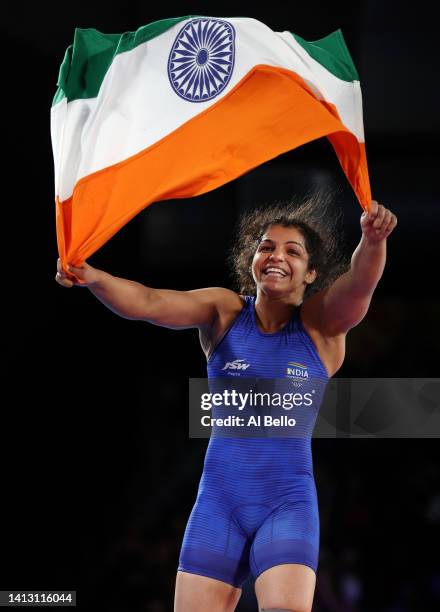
pixel 367 266
pixel 124 297
pixel 345 303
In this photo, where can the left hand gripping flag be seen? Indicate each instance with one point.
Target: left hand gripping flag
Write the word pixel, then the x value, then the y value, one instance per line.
pixel 185 105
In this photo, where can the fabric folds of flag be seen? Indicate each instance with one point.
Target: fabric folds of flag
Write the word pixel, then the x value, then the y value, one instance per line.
pixel 182 106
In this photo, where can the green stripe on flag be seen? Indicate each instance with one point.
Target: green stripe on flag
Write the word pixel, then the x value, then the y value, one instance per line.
pixel 86 62
pixel 332 52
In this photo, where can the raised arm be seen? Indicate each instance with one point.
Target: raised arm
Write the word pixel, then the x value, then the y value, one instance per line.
pixel 345 303
pixel 133 300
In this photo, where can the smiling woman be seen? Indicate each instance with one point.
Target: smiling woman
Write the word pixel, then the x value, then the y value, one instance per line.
pixel 256 509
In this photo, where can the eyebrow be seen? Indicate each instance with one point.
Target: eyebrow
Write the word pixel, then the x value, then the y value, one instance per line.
pixel 287 242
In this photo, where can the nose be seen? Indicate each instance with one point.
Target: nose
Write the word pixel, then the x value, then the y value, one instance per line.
pixel 276 255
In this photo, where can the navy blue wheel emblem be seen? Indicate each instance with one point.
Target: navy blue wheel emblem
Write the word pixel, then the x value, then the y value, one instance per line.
pixel 201 60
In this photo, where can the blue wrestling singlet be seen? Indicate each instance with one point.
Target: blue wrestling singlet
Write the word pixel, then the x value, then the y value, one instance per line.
pixel 256 505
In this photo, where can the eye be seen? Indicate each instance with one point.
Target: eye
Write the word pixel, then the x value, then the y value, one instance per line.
pixel 265 248
pixel 292 252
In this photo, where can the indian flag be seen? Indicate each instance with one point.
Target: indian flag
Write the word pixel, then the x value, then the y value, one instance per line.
pixel 183 105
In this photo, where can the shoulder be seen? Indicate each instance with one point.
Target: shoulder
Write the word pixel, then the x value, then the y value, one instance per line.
pixel 217 299
pixel 228 303
pixel 311 313
pixel 222 298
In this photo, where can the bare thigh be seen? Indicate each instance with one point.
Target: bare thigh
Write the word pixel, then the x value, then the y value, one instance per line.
pixel 290 586
pixel 196 593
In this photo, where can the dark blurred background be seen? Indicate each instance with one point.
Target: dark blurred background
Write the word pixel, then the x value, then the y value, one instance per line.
pixel 99 475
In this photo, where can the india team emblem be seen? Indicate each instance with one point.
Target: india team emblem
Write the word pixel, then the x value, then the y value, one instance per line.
pixel 297 371
pixel 201 60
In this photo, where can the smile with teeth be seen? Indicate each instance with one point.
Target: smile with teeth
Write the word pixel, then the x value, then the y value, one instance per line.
pixel 270 270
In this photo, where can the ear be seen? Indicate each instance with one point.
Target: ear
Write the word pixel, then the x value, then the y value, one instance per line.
pixel 311 276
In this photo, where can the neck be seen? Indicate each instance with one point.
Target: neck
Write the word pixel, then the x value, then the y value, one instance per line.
pixel 273 312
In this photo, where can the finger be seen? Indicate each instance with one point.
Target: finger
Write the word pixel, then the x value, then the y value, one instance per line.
pixel 75 270
pixel 388 227
pixel 382 219
pixel 77 274
pixel 392 224
pixel 63 275
pixel 60 268
pixel 373 209
pixel 381 211
pixel 62 280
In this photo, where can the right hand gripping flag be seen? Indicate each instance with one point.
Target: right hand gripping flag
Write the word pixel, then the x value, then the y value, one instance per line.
pixel 185 105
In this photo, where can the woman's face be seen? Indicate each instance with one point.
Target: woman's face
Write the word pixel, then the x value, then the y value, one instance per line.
pixel 280 262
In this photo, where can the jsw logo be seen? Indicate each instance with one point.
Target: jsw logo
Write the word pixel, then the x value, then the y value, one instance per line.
pixel 236 365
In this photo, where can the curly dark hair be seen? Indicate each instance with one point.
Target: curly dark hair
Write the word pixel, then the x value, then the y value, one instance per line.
pixel 317 218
